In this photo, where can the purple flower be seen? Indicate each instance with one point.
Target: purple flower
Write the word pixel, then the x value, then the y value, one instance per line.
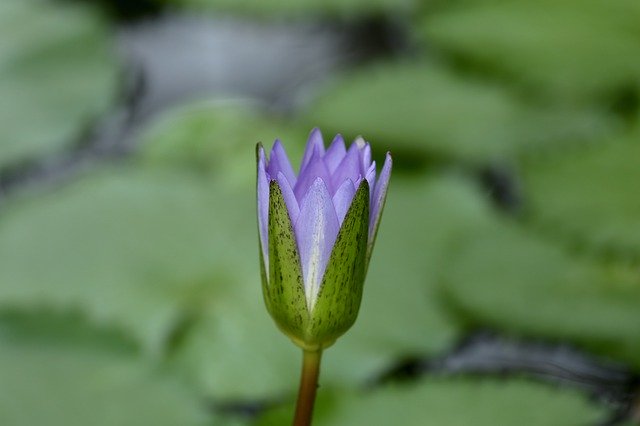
pixel 317 231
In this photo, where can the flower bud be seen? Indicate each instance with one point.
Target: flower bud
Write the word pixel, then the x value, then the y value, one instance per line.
pixel 317 231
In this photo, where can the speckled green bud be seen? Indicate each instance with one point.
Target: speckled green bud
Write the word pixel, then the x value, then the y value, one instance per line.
pixel 336 306
pixel 317 231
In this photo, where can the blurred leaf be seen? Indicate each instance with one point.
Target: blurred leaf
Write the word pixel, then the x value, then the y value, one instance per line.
pixel 214 138
pixel 426 109
pixel 235 352
pixel 568 48
pixel 590 196
pixel 59 370
pixel 298 8
pixel 451 403
pixel 64 329
pixel 56 73
pixel 508 280
pixel 54 385
pixel 139 249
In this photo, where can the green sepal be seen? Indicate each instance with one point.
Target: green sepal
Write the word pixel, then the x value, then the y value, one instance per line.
pixel 284 291
pixel 338 301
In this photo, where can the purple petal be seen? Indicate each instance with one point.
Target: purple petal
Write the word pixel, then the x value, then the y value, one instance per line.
pixel 343 198
pixel 315 144
pixel 316 232
pixel 379 195
pixel 370 176
pixel 279 162
pixel 349 167
pixel 335 153
pixel 263 205
pixel 289 197
pixel 365 154
pixel 315 169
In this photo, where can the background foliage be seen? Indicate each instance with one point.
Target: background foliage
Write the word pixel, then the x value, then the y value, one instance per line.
pixel 129 282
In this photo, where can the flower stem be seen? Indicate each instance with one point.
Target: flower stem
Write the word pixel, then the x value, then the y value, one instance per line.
pixel 308 387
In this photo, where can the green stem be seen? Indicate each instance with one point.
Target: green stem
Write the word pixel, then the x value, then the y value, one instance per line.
pixel 308 387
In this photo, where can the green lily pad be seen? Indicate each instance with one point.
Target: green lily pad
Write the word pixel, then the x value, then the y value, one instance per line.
pixel 573 49
pixel 457 402
pixel 297 8
pixel 57 73
pixel 425 109
pixel 46 382
pixel 217 139
pixel 61 329
pixel 511 281
pixel 142 250
pixel 590 196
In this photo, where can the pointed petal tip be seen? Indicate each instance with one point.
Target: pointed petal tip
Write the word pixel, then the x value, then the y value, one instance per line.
pixel 379 197
pixel 385 174
pixel 315 144
pixel 360 142
pixel 335 153
pixel 337 144
pixel 259 151
pixel 279 162
pixel 315 137
pixel 388 161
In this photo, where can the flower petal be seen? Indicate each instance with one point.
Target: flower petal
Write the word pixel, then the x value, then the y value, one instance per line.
pixel 263 204
pixel 365 155
pixel 343 198
pixel 316 231
pixel 379 197
pixel 315 144
pixel 349 167
pixel 335 153
pixel 315 169
pixel 279 162
pixel 289 197
pixel 370 176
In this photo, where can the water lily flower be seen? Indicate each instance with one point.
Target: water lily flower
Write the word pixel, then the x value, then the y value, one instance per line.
pixel 317 231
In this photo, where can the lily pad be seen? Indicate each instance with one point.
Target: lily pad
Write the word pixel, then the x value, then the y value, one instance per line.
pixel 57 73
pixel 457 402
pixel 425 109
pixel 217 139
pixel 512 281
pixel 46 382
pixel 142 250
pixel 571 49
pixel 298 8
pixel 589 196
